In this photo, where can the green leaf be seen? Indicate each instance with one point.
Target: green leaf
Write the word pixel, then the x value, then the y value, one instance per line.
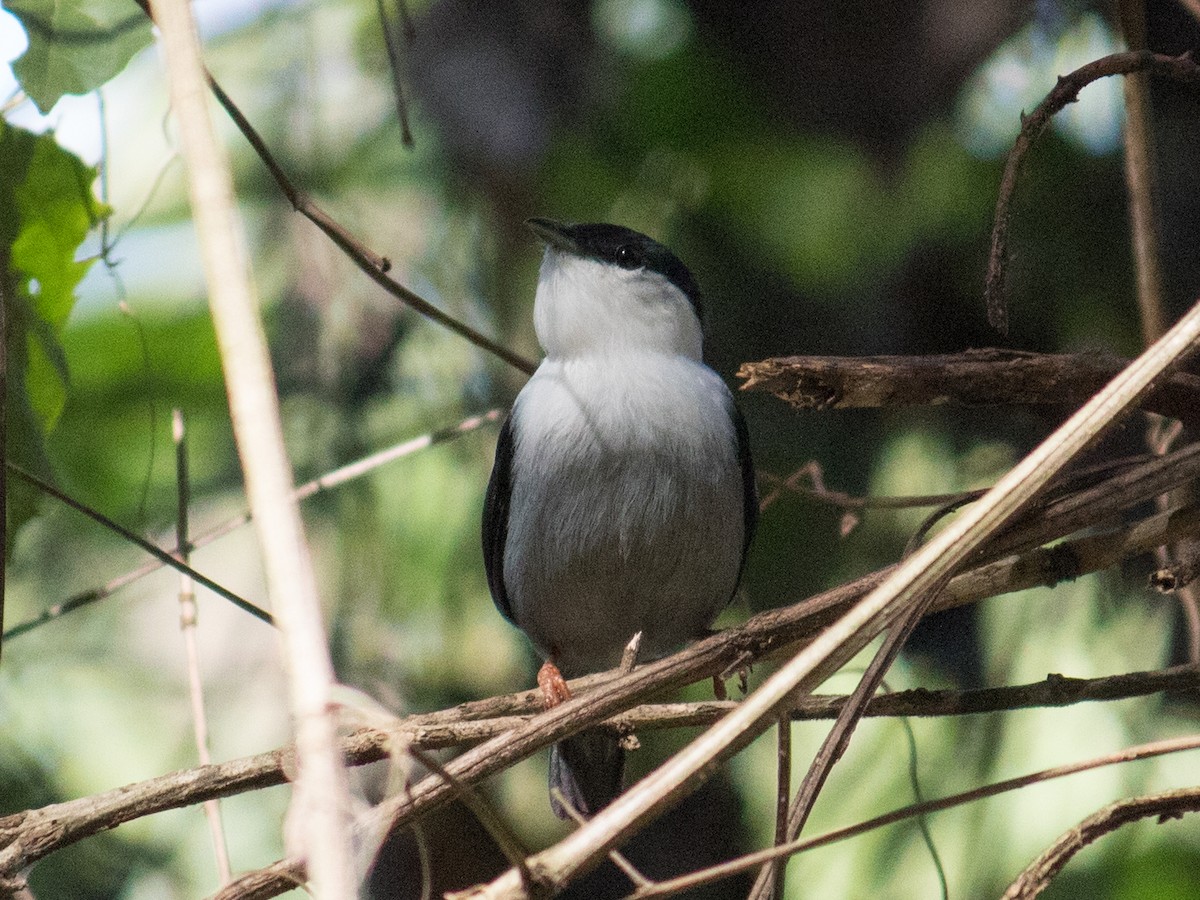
pixel 46 211
pixel 55 210
pixel 75 45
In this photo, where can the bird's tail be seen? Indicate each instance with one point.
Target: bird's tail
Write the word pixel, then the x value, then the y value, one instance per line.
pixel 587 769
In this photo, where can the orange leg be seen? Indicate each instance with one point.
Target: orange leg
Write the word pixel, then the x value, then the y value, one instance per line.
pixel 553 685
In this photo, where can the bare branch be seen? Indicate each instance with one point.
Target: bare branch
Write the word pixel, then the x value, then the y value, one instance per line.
pixel 1180 68
pixel 392 32
pixel 187 625
pixel 1193 7
pixel 330 480
pixel 762 634
pixel 6 291
pixel 753 860
pixel 27 837
pixel 1143 230
pixel 1167 805
pixel 319 816
pixel 162 556
pixel 936 561
pixel 985 377
pixel 1139 177
pixel 838 739
pixel 783 793
pixel 372 264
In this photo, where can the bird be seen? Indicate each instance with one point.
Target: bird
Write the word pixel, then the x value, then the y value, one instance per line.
pixel 622 498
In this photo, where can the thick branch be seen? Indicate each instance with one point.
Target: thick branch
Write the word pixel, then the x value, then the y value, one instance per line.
pixel 986 377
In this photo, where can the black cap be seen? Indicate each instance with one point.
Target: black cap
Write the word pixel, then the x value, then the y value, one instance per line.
pixel 619 246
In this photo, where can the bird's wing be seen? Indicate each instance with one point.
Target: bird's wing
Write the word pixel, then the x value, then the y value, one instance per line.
pixel 495 518
pixel 749 487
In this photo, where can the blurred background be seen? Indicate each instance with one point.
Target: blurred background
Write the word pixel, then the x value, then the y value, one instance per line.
pixel 827 171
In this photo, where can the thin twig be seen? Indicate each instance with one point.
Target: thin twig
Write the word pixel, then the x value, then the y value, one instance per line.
pixel 817 489
pixel 391 40
pixel 325 482
pixel 1165 806
pixel 1140 176
pixel 187 625
pixel 1180 68
pixel 617 858
pixel 164 558
pixel 499 830
pixel 834 746
pixel 6 289
pixel 372 264
pixel 754 860
pixel 783 794
pixel 914 777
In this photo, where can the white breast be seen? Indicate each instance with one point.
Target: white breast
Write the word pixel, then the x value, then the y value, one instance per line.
pixel 626 511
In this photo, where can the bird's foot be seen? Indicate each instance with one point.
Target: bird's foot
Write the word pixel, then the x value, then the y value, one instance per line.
pixel 741 667
pixel 553 685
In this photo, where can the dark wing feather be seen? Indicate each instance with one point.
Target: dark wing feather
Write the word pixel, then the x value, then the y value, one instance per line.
pixel 495 518
pixel 749 486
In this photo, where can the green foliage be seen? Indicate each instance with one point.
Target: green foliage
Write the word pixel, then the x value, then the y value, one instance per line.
pixel 75 45
pixel 46 210
pixel 111 447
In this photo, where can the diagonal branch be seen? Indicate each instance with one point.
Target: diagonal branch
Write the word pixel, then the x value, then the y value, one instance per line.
pixel 762 634
pixel 371 263
pixel 753 860
pixel 937 560
pixel 328 481
pixel 163 557
pixel 320 806
pixel 27 837
pixel 838 740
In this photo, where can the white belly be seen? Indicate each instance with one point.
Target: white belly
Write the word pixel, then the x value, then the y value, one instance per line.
pixel 625 515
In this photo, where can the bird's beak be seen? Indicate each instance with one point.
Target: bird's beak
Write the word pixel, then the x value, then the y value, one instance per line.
pixel 554 234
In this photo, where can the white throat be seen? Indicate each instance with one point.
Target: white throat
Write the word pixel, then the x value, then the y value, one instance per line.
pixel 585 307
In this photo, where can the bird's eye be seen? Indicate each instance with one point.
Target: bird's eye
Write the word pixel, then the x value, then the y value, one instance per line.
pixel 629 256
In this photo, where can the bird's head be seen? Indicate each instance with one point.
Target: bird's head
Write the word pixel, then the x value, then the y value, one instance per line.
pixel 609 289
